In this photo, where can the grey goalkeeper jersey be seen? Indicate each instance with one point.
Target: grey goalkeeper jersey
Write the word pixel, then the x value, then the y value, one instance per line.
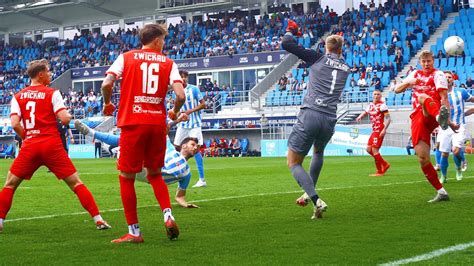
pixel 327 77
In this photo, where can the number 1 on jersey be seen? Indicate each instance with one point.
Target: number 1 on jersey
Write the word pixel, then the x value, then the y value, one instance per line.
pixel 30 106
pixel 333 83
pixel 149 77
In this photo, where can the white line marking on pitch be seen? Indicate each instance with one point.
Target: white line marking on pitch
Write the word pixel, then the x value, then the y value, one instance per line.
pixel 221 198
pixel 432 254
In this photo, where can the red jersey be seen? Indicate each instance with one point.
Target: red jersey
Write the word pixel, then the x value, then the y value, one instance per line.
pixel 377 112
pixel 146 76
pixel 37 107
pixel 427 83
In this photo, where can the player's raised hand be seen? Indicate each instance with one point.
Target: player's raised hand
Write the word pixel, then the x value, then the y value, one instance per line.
pixel 108 109
pixel 293 27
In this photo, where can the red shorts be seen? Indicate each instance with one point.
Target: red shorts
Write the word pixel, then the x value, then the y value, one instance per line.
pixel 422 127
pixel 50 153
pixel 142 146
pixel 375 140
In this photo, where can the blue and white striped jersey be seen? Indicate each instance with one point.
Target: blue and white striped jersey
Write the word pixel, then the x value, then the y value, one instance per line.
pixel 457 97
pixel 193 96
pixel 176 168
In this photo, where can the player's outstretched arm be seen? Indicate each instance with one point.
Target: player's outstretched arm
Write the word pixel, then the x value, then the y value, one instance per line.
pixel 469 111
pixel 289 44
pixel 181 199
pixel 404 86
pixel 359 118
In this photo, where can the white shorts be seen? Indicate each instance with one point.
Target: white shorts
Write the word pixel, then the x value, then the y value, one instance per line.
pixel 448 139
pixel 182 133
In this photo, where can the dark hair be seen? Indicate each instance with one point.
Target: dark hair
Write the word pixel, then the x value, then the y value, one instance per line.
pixel 152 31
pixel 185 141
pixel 36 66
pixel 183 73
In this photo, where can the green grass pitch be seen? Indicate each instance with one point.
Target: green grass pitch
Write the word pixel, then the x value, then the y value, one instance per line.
pixel 247 216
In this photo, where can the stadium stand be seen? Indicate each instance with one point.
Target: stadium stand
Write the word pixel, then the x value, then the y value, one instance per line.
pixel 374 39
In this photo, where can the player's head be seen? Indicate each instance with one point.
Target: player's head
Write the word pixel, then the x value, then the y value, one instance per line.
pixel 188 147
pixel 334 44
pixel 427 60
pixel 449 78
pixel 184 76
pixel 377 96
pixel 153 36
pixel 38 70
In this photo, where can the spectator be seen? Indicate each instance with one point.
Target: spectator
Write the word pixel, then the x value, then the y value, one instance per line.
pixel 440 54
pixel 393 85
pixel 376 82
pixel 399 61
pixel 353 83
pixel 362 82
pixel 223 147
pixel 235 147
pixel 469 83
pixel 369 68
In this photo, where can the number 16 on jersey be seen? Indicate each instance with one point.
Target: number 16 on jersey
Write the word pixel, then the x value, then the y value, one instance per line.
pixel 150 77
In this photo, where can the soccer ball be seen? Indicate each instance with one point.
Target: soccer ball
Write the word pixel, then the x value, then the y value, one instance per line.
pixel 454 45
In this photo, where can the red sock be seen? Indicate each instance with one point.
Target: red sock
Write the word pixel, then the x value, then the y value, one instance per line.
pixel 431 107
pixel 129 199
pixel 371 153
pixel 6 198
pixel 161 190
pixel 86 199
pixel 432 176
pixel 378 162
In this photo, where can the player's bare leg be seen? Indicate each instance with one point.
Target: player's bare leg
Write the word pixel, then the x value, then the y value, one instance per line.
pixel 87 200
pixel 6 196
pixel 422 150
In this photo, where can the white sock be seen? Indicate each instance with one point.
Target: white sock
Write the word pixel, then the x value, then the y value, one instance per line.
pixel 167 214
pixel 442 191
pixel 1 221
pixel 97 218
pixel 134 230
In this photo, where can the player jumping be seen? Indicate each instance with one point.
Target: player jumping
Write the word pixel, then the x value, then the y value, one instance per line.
pixel 431 108
pixel 317 118
pixel 380 119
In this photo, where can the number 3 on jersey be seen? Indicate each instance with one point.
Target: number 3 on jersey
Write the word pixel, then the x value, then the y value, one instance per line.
pixel 30 106
pixel 149 77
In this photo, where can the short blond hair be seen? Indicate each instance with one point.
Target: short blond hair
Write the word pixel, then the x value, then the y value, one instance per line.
pixel 426 53
pixel 37 66
pixel 334 43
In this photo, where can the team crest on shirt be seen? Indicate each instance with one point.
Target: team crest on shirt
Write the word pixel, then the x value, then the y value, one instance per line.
pixel 137 108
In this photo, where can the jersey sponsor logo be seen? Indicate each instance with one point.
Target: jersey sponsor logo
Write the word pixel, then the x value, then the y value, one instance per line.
pixel 137 109
pixel 149 57
pixel 148 99
pixel 320 102
pixel 33 95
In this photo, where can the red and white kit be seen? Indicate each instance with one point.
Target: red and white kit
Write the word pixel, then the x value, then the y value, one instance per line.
pixel 146 76
pixel 377 112
pixel 37 107
pixel 430 84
